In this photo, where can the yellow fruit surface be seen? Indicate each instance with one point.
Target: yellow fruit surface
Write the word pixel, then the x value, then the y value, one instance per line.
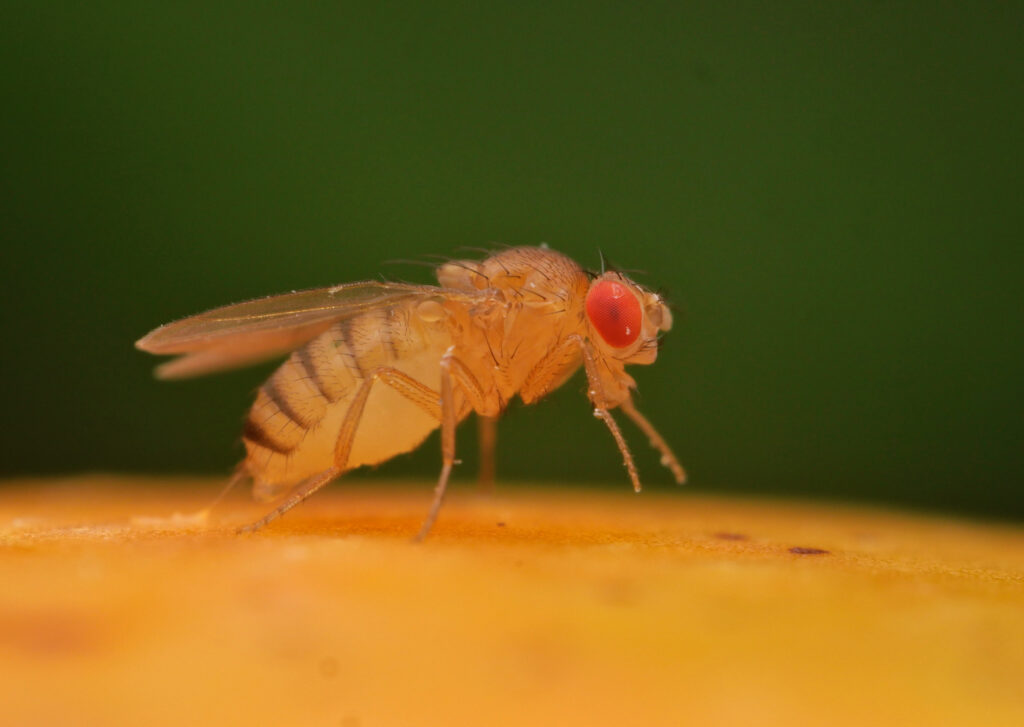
pixel 540 606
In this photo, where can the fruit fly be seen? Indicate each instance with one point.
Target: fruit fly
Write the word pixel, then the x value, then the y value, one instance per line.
pixel 374 367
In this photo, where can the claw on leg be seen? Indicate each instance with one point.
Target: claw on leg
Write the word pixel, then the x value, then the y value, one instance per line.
pixel 668 457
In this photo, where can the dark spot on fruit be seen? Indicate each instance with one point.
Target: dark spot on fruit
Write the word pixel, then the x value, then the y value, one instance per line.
pixel 50 632
pixel 808 551
pixel 732 536
pixel 329 667
pixel 619 592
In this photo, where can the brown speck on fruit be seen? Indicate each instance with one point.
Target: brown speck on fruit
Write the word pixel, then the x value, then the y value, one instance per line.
pixel 808 551
pixel 329 667
pixel 732 536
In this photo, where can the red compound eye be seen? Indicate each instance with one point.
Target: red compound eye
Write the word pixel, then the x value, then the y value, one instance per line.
pixel 614 312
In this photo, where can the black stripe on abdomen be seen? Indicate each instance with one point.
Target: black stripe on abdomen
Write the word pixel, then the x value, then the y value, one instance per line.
pixel 279 398
pixel 312 373
pixel 344 346
pixel 257 433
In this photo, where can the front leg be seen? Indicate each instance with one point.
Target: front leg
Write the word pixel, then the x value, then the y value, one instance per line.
pixel 595 390
pixel 668 457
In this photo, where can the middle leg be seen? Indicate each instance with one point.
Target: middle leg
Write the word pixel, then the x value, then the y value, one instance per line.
pixel 597 397
pixel 668 457
pixel 448 422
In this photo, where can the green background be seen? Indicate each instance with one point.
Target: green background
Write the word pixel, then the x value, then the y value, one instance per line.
pixel 831 195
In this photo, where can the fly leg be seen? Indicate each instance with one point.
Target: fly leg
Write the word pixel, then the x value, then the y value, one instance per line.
pixel 451 370
pixel 405 385
pixel 299 493
pixel 668 457
pixel 597 398
pixel 448 422
pixel 561 361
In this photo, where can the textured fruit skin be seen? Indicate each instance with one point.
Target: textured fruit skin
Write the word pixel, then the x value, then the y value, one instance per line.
pixel 557 605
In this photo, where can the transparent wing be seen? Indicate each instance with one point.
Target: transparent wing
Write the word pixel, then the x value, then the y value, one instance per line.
pixel 244 333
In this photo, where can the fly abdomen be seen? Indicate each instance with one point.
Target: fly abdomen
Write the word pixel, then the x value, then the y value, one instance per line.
pixel 263 433
pixel 293 425
pixel 278 421
pixel 296 398
pixel 362 341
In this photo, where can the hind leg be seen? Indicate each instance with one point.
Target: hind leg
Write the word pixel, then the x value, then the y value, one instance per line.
pixel 299 493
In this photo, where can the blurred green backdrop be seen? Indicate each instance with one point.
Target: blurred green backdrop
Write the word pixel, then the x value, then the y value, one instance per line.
pixel 829 192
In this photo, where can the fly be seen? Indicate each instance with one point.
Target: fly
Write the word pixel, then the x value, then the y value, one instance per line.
pixel 374 367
